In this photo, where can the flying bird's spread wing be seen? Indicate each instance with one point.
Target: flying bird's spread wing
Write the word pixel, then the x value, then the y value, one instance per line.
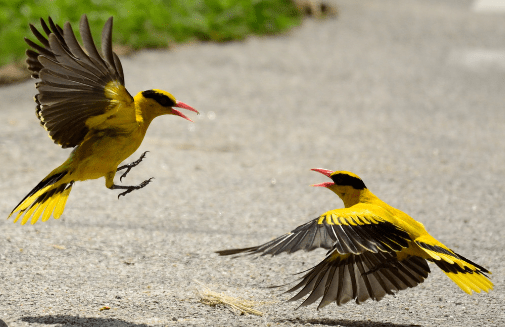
pixel 79 88
pixel 348 230
pixel 341 278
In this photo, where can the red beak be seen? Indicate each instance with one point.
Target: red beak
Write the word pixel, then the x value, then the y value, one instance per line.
pixel 326 184
pixel 182 105
pixel 325 172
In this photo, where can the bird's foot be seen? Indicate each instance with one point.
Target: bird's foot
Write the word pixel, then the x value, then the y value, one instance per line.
pixel 129 166
pixel 130 189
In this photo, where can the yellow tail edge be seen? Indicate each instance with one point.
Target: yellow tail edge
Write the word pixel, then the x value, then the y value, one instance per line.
pixel 47 198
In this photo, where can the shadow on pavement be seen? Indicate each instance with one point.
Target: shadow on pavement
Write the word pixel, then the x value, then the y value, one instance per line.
pixel 80 321
pixel 344 322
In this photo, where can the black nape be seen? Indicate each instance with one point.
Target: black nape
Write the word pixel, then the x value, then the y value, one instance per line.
pixel 348 180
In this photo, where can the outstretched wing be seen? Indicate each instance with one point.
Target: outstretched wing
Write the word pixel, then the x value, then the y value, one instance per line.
pixel 348 230
pixel 78 89
pixel 341 278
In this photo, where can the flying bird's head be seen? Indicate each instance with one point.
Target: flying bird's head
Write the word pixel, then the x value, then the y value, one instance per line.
pixel 158 102
pixel 346 185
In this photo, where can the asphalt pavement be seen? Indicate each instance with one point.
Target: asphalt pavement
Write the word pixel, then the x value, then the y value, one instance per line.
pixel 409 95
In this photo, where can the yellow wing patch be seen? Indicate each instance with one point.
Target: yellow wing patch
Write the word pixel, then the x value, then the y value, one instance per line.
pixel 341 217
pixel 119 99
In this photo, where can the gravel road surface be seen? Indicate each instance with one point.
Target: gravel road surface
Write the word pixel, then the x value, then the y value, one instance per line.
pixel 410 95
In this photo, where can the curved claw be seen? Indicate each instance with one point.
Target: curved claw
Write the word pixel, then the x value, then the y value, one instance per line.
pixel 130 189
pixel 128 167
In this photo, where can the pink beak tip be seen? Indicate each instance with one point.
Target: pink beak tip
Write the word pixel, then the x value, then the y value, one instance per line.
pixel 325 172
pixel 326 184
pixel 180 104
pixel 180 114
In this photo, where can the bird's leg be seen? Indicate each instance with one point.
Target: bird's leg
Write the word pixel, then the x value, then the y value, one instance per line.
pixel 128 167
pixel 130 188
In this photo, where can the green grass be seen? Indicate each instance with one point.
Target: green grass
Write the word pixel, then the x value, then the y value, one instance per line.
pixel 147 23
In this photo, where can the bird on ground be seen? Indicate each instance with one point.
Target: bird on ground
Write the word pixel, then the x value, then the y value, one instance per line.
pixel 374 250
pixel 83 103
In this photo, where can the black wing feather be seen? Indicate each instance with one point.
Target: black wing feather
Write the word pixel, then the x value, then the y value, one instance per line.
pixel 359 277
pixel 73 79
pixel 333 232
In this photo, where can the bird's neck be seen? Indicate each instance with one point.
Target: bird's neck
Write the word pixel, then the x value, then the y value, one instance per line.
pixel 353 197
pixel 144 116
pixel 145 111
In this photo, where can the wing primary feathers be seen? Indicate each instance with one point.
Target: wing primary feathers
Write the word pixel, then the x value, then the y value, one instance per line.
pixel 329 288
pixel 381 288
pixel 318 289
pixel 63 55
pixel 76 49
pixel 119 68
pixel 249 250
pixel 333 287
pixel 42 39
pixel 290 245
pixel 308 241
pixel 39 48
pixel 308 280
pixel 354 282
pixel 278 247
pixel 56 30
pixel 303 237
pixel 89 45
pixel 107 42
pixel 44 26
pixel 365 282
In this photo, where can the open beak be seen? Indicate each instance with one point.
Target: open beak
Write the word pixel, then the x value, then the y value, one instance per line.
pixel 325 172
pixel 182 105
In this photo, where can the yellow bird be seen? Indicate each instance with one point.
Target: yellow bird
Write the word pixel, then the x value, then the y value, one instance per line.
pixel 83 103
pixel 374 249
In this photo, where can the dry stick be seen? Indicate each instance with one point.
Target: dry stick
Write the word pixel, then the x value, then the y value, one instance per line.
pixel 238 305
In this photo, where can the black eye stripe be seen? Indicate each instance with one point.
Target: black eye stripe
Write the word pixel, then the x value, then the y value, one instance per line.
pixel 347 180
pixel 162 99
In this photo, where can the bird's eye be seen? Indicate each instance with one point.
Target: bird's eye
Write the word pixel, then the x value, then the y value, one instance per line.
pixel 164 101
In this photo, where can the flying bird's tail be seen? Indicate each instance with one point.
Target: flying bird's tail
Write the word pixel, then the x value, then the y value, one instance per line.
pixel 468 275
pixel 48 197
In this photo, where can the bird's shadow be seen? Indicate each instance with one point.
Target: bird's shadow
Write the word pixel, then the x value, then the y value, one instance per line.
pixel 343 322
pixel 67 321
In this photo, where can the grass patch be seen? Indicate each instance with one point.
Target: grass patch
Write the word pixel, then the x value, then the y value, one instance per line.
pixel 147 23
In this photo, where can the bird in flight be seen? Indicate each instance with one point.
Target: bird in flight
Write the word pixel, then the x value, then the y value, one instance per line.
pixel 83 104
pixel 374 250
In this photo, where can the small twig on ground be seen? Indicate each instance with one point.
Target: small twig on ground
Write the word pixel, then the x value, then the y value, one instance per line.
pixel 237 305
